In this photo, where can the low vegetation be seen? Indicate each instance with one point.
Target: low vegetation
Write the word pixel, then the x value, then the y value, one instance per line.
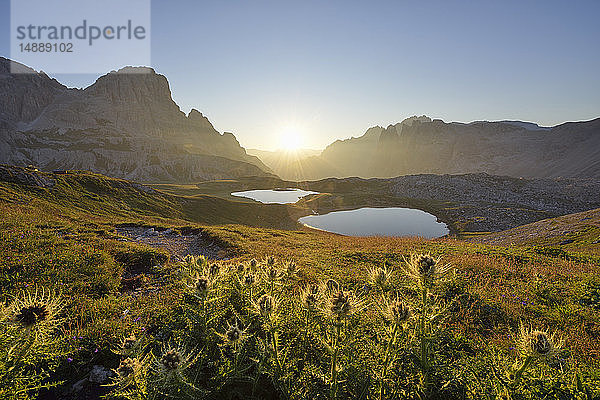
pixel 87 314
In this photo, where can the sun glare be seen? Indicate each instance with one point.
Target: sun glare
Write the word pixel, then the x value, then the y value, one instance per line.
pixel 291 139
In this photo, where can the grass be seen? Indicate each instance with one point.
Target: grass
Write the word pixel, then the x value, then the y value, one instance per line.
pixel 64 239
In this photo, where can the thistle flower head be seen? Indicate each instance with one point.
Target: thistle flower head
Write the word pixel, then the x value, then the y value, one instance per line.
pixel 310 297
pixel 128 367
pixel 32 314
pixel 291 270
pixel 201 286
pixel 171 359
pixel 397 312
pixel 332 286
pixel 253 263
pixel 425 269
pixel 538 344
pixel 265 306
pixel 380 277
pixel 341 305
pixel 249 279
pixel 272 274
pixel 241 268
pixel 37 310
pixel 234 335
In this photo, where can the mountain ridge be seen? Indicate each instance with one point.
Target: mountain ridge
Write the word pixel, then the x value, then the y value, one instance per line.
pixel 421 145
pixel 125 125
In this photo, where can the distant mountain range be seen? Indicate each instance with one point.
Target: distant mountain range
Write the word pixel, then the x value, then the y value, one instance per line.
pixel 420 145
pixel 125 125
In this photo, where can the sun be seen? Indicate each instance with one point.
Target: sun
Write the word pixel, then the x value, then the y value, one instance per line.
pixel 290 139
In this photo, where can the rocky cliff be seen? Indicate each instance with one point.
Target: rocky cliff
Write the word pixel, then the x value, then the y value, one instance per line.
pixel 125 125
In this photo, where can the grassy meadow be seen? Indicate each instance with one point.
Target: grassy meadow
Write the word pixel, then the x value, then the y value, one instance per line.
pixel 288 312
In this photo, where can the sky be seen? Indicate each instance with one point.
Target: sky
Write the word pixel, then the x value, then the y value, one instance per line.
pixel 329 70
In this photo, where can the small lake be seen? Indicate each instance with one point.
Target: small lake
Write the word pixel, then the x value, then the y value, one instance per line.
pixel 391 221
pixel 278 196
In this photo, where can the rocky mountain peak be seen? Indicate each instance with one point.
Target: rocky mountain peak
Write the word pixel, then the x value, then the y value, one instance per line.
pixel 198 119
pixel 410 121
pixel 25 94
pixel 140 85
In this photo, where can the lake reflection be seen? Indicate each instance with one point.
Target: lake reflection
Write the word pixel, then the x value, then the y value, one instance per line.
pixel 285 196
pixel 392 221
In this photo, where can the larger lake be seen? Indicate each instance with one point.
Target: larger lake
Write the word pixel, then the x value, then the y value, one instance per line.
pixel 392 221
pixel 279 196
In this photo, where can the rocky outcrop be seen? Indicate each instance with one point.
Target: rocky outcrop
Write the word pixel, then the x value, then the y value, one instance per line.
pixel 125 125
pixel 25 176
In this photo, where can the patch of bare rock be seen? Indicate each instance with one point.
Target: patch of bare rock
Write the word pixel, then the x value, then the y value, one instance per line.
pixel 179 243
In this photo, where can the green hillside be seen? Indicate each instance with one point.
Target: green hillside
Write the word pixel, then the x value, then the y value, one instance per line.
pixel 67 236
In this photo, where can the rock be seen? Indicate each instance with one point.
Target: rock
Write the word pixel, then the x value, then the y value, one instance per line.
pixel 25 176
pixel 99 374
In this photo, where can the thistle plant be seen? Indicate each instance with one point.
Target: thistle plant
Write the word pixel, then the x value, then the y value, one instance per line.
pixel 130 379
pixel 267 308
pixel 310 298
pixel 310 301
pixel 202 306
pixel 249 282
pixel 272 277
pixel 130 346
pixel 338 307
pixel 291 271
pixel 35 313
pixel 202 286
pixel 397 313
pixel 233 340
pixel 28 337
pixel 426 272
pixel 380 278
pixel 534 346
pixel 169 368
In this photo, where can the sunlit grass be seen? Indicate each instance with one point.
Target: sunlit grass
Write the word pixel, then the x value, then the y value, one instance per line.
pixel 231 341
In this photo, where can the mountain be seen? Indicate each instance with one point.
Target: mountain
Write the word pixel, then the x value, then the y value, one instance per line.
pixel 125 125
pixel 420 145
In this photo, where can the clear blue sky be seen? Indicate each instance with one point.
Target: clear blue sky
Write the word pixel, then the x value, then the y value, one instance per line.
pixel 334 68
